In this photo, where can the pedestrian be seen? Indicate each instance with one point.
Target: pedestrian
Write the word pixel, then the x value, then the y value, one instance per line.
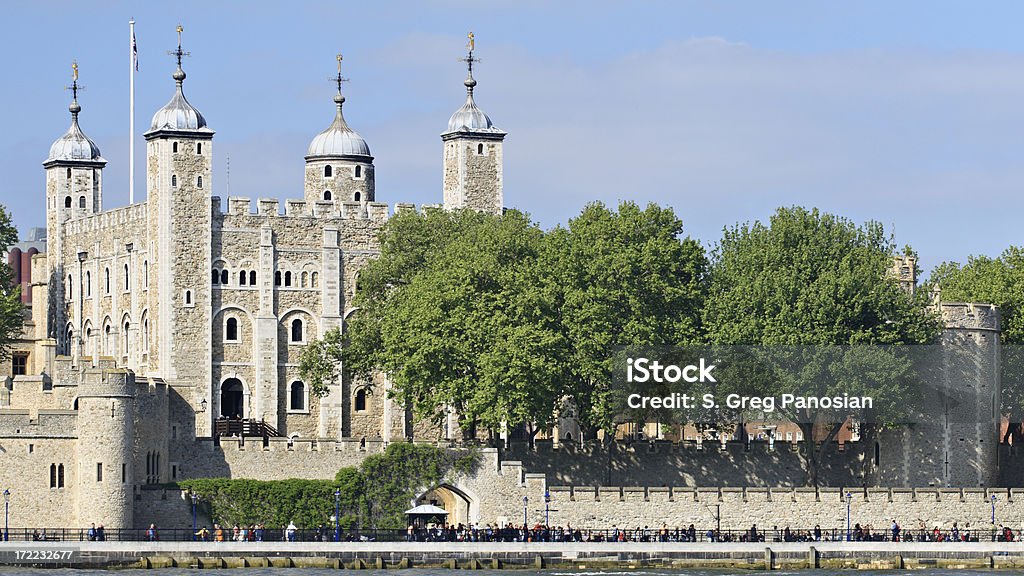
pixel 290 531
pixel 895 531
pixel 151 534
pixel 100 534
pixel 91 534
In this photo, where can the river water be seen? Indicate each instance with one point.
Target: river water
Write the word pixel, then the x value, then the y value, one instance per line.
pixel 6 571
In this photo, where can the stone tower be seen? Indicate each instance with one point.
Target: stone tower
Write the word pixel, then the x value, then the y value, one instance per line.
pixel 179 157
pixel 339 167
pixel 106 434
pixel 74 188
pixel 472 155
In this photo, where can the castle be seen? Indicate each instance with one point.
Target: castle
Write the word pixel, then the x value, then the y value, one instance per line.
pixel 152 323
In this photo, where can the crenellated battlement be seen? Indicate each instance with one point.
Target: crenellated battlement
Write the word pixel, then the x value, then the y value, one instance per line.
pixel 115 218
pixel 44 424
pixel 273 208
pixel 970 316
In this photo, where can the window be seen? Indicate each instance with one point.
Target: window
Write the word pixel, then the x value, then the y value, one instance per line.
pixel 67 201
pixel 145 332
pixel 124 473
pixel 359 171
pixel 304 279
pixel 287 278
pixel 174 147
pixel 81 202
pixel 224 277
pixel 174 180
pixel 145 272
pixel 199 147
pixel 19 364
pixel 53 475
pixel 188 297
pixel 297 330
pixel 99 471
pixel 199 182
pixel 252 277
pixel 124 339
pixel 106 280
pixel 88 284
pixel 327 174
pixel 277 278
pixel 216 276
pixel 71 288
pixel 60 476
pixel 298 396
pixel 242 277
pixel 361 400
pixel 69 173
pixel 231 330
pixel 479 148
pixel 127 284
pixel 327 195
pixel 356 197
pixel 313 279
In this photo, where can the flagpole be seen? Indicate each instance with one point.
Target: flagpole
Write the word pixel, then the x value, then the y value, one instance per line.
pixel 131 113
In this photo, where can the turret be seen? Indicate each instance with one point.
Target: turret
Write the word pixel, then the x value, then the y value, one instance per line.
pixel 473 154
pixel 339 167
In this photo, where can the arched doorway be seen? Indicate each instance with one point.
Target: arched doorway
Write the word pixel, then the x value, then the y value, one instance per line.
pixel 454 501
pixel 231 398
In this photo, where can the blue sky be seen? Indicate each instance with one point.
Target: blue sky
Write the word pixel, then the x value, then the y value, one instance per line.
pixel 909 113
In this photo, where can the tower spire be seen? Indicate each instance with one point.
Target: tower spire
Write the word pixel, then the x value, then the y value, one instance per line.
pixel 179 74
pixel 469 60
pixel 339 98
pixel 75 108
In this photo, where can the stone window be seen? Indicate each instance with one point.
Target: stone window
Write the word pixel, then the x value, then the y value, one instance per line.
pixel 327 195
pixel 67 201
pixel 480 149
pixel 313 279
pixel 124 473
pixel 297 397
pixel 199 182
pixel 277 278
pixel 88 284
pixel 127 282
pixel 19 364
pixel 106 280
pixel 216 276
pixel 145 273
pixel 287 278
pixel 297 330
pixel 53 475
pixel 327 174
pixel 252 277
pixel 358 171
pixel 174 180
pixel 242 278
pixel 199 147
pixel 69 173
pixel 124 339
pixel 99 471
pixel 60 476
pixel 81 202
pixel 174 147
pixel 71 288
pixel 304 279
pixel 361 400
pixel 188 298
pixel 224 277
pixel 356 196
pixel 231 330
pixel 145 334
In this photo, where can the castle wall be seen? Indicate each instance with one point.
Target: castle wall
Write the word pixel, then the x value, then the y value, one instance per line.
pixel 27 451
pixel 280 459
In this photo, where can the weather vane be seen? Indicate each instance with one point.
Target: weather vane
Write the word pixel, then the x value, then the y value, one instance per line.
pixel 472 42
pixel 339 78
pixel 469 59
pixel 74 81
pixel 179 52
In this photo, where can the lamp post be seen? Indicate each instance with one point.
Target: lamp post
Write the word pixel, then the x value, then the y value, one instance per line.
pixel 849 499
pixel 993 510
pixel 195 500
pixel 526 501
pixel 337 515
pixel 547 507
pixel 7 507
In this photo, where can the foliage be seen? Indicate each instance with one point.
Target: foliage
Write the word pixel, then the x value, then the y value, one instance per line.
pixel 11 309
pixel 815 279
pixel 318 364
pixel 373 495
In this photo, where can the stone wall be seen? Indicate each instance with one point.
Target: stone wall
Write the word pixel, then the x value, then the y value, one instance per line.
pixel 279 459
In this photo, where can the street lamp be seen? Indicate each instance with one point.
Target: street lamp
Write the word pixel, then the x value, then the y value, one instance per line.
pixel 547 507
pixel 993 510
pixel 337 515
pixel 7 507
pixel 526 501
pixel 195 500
pixel 849 499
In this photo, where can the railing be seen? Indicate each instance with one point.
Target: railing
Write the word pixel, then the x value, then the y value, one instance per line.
pixel 244 428
pixel 509 534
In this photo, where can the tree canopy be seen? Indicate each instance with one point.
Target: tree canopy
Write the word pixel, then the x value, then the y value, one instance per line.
pixel 11 309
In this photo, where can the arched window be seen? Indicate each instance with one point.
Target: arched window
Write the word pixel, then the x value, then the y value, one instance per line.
pixel 359 171
pixel 71 288
pixel 252 277
pixel 287 278
pixel 216 276
pixel 479 148
pixel 67 200
pixel 88 284
pixel 199 182
pixel 356 196
pixel 361 400
pixel 224 277
pixel 174 147
pixel 313 279
pixel 145 336
pixel 188 297
pixel 145 273
pixel 69 173
pixel 304 279
pixel 124 339
pixel 231 330
pixel 60 476
pixel 327 194
pixel 174 179
pixel 53 475
pixel 106 280
pixel 107 344
pixel 81 202
pixel 297 330
pixel 327 174
pixel 127 283
pixel 199 147
pixel 277 278
pixel 298 396
pixel 242 278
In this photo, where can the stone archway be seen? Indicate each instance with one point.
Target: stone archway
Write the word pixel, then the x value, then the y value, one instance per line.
pixel 454 501
pixel 231 398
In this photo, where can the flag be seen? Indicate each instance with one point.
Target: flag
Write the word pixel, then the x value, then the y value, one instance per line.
pixel 135 51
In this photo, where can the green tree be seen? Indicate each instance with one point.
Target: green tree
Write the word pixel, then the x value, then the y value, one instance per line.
pixel 621 278
pixel 318 364
pixel 11 309
pixel 813 279
pixel 998 281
